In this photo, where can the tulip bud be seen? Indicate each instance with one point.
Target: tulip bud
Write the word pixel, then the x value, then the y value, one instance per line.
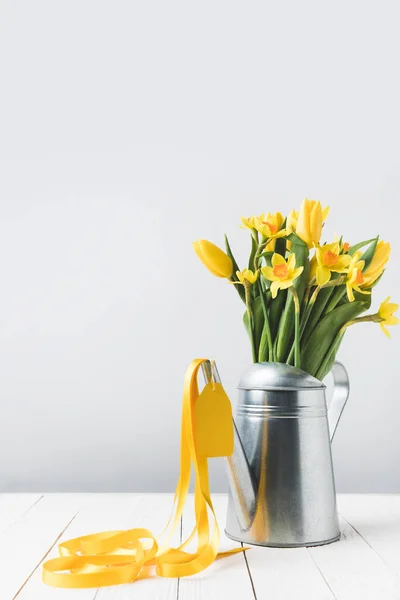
pixel 215 259
pixel 377 264
pixel 309 222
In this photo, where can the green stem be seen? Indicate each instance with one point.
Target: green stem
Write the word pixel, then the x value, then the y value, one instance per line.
pixel 336 298
pixel 296 326
pixel 326 364
pixel 304 319
pixel 251 320
pixel 259 250
pixel 266 323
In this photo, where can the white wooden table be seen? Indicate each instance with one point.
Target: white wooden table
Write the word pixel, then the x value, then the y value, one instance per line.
pixel 365 564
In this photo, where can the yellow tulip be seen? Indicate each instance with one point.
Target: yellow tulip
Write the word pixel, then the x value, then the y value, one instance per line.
pixel 291 221
pixel 282 273
pixel 246 276
pixel 355 277
pixel 379 260
pixel 308 222
pixel 328 260
pixel 386 313
pixel 213 258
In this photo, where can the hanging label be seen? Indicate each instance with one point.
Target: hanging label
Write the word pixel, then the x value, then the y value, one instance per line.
pixel 213 422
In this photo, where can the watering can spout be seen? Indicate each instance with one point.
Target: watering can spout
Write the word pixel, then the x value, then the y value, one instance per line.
pixel 240 478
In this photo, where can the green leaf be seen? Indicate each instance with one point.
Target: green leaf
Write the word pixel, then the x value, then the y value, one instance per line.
pixel 258 318
pixel 263 346
pixel 275 311
pixel 316 312
pixel 368 255
pixel 338 294
pixel 324 335
pixel 239 288
pixel 353 249
pixel 286 324
pixel 330 357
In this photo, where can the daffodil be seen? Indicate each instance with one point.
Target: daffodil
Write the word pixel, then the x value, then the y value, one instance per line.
pixel 282 273
pixel 355 277
pixel 269 225
pixel 215 259
pixel 386 313
pixel 248 222
pixel 246 277
pixel 377 264
pixel 307 223
pixel 328 260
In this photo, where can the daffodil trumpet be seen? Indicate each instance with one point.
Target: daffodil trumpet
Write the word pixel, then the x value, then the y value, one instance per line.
pixel 301 293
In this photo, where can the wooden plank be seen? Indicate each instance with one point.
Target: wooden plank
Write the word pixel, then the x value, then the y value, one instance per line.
pixel 283 573
pixel 101 512
pixel 14 506
pixel 227 577
pixel 152 511
pixel 353 570
pixel 376 517
pixel 26 541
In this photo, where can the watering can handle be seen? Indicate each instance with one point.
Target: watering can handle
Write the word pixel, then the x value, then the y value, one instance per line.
pixel 340 396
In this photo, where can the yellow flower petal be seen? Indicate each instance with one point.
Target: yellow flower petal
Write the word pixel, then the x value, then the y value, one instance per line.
pixel 297 272
pixel 323 275
pixel 268 273
pixel 350 293
pixel 316 222
pixel 391 320
pixel 274 288
pixel 385 331
pixel 342 264
pixel 325 213
pixel 291 262
pixel 277 259
pixel 286 284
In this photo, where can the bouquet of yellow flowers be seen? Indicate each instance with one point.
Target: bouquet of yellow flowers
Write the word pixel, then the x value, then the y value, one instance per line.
pixel 301 295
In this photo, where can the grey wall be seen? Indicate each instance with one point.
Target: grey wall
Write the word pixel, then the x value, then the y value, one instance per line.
pixel 129 129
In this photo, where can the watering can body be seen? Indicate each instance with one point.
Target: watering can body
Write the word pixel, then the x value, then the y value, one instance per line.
pixel 282 489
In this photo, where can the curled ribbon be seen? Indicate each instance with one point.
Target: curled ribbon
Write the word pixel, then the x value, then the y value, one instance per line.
pixel 116 557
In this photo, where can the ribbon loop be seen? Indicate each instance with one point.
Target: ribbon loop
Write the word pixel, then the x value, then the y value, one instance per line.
pixel 116 557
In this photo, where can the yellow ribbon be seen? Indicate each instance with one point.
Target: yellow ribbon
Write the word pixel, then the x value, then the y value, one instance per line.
pixel 115 557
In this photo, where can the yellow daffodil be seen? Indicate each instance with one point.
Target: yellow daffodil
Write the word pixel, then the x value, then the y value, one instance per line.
pixel 213 258
pixel 386 313
pixel 307 223
pixel 377 264
pixel 269 225
pixel 328 260
pixel 282 273
pixel 248 222
pixel 355 277
pixel 247 276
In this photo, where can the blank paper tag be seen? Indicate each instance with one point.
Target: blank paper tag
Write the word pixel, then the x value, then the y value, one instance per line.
pixel 214 425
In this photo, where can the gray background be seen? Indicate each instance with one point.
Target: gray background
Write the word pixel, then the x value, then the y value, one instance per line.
pixel 130 129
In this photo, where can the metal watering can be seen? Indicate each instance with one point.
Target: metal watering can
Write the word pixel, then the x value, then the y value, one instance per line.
pixel 282 488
